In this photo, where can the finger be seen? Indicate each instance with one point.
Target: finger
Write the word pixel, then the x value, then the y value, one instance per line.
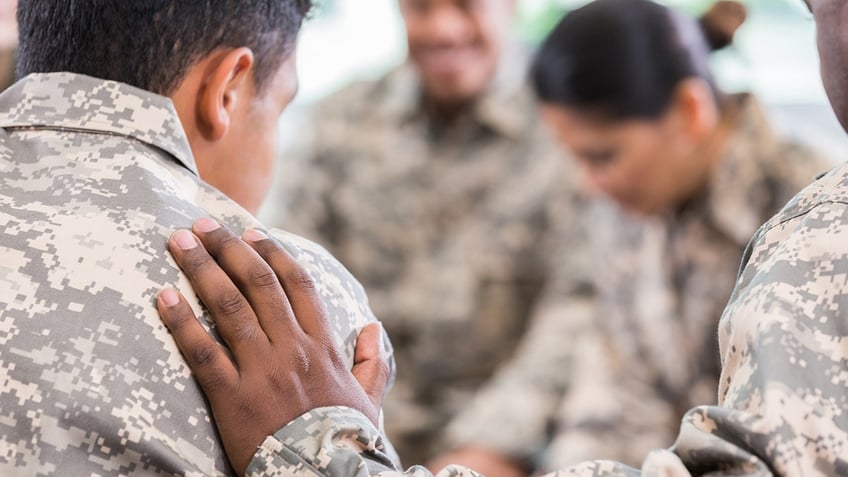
pixel 299 286
pixel 228 308
pixel 215 373
pixel 252 275
pixel 370 366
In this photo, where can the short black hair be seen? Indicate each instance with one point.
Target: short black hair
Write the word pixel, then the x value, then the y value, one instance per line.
pixel 620 59
pixel 151 44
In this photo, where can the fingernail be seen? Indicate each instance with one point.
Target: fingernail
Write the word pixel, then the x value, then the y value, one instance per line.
pixel 169 297
pixel 253 235
pixel 206 225
pixel 185 239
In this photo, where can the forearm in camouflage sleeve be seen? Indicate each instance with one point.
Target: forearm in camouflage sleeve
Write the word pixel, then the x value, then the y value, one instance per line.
pixel 340 442
pixel 332 442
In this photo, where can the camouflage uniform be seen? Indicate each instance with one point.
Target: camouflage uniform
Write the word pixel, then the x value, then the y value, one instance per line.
pixel 662 284
pixel 443 223
pixel 782 395
pixel 96 176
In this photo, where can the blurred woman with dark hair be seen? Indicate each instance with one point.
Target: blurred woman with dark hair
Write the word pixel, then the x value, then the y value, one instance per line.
pixel 684 175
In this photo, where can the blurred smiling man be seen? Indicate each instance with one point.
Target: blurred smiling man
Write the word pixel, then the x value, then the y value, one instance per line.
pixel 433 186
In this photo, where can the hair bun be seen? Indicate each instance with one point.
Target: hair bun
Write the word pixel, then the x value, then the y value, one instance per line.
pixel 721 22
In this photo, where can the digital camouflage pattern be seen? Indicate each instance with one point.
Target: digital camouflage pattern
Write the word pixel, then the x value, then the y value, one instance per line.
pixel 782 396
pixel 96 176
pixel 445 224
pixel 661 286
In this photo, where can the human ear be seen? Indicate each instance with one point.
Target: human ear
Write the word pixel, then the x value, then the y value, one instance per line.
pixel 226 85
pixel 694 109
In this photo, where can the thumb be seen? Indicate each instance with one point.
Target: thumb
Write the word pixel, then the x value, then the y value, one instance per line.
pixel 370 366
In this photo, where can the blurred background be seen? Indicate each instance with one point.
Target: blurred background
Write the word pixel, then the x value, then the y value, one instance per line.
pixel 773 56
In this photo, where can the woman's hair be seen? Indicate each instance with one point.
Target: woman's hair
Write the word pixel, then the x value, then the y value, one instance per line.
pixel 621 59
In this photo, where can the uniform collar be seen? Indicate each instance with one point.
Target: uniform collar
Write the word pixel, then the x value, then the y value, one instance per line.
pixel 82 103
pixel 502 108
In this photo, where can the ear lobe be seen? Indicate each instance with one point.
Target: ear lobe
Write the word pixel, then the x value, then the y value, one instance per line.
pixel 227 83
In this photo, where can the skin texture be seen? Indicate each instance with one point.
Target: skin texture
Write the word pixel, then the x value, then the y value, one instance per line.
pixel 232 127
pixel 8 25
pixel 830 16
pixel 833 46
pixel 646 166
pixel 455 45
pixel 265 307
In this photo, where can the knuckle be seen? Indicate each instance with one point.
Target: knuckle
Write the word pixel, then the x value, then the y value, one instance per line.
pixel 301 361
pixel 227 240
pixel 204 355
pixel 261 276
pixel 230 303
pixel 214 380
pixel 246 331
pixel 177 320
pixel 196 262
pixel 300 279
pixel 270 247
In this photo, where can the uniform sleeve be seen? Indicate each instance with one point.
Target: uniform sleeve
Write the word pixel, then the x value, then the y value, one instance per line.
pixel 784 344
pixel 333 441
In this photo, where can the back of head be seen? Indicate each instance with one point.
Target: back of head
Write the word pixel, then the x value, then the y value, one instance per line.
pixel 620 59
pixel 151 44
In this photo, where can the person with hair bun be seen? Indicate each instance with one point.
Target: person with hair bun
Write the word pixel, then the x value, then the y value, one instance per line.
pixel 782 394
pixel 684 175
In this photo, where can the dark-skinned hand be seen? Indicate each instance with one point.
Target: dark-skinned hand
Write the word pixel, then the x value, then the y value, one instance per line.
pixel 283 360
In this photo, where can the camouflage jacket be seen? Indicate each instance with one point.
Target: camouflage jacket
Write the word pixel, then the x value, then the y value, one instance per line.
pixel 782 394
pixel 444 224
pixel 661 285
pixel 96 176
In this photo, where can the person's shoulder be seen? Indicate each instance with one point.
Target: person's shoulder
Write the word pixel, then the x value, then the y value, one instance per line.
pixel 342 295
pixel 819 211
pixel 829 188
pixel 333 280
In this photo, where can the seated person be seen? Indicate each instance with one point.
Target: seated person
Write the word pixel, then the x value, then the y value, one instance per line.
pixel 133 119
pixel 686 174
pixel 782 337
pixel 432 185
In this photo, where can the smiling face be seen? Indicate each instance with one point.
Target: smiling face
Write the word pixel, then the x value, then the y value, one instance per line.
pixel 456 44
